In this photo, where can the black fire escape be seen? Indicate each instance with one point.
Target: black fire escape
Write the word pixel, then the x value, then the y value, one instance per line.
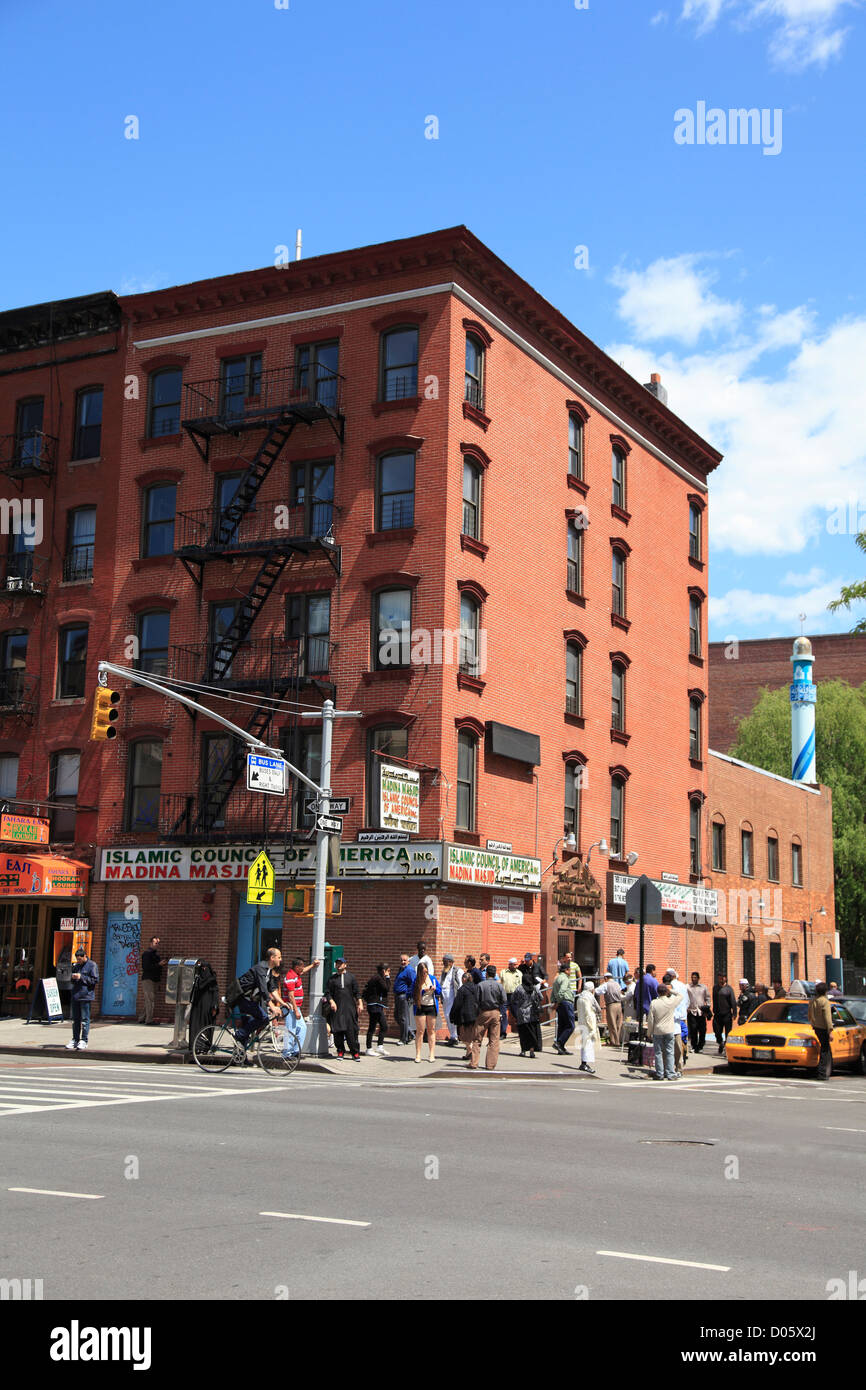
pixel 251 525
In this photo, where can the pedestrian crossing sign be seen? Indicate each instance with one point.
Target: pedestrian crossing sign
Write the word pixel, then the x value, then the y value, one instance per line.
pixel 260 881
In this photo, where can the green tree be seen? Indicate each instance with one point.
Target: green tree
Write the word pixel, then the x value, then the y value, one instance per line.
pixel 852 593
pixel 764 739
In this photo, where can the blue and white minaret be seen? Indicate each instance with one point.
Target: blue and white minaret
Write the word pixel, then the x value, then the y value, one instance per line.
pixel 803 698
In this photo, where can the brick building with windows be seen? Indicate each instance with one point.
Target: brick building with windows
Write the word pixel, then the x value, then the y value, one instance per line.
pixel 397 477
pixel 60 408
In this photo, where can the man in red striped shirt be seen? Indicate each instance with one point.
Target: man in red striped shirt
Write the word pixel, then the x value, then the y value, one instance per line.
pixel 292 991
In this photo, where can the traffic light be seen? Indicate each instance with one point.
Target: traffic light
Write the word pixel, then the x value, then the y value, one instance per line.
pixel 301 902
pixel 105 713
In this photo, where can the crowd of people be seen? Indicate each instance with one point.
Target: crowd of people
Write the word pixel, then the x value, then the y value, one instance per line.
pixel 477 1004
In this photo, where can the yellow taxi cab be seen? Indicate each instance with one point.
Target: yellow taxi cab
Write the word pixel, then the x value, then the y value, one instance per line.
pixel 778 1033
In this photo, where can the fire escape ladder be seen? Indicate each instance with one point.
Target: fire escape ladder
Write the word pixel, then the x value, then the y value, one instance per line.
pixel 260 466
pixel 226 649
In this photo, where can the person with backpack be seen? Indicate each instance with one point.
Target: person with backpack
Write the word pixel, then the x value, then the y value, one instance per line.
pixel 464 1010
pixel 375 996
pixel 260 995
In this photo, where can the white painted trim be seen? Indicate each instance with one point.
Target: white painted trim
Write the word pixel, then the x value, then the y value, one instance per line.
pixel 737 762
pixel 451 287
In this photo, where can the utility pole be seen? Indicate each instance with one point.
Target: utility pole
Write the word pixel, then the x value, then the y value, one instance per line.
pixel 318 1033
pixel 317 1036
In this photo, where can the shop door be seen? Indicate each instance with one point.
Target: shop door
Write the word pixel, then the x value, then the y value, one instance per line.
pixel 720 957
pixel 258 928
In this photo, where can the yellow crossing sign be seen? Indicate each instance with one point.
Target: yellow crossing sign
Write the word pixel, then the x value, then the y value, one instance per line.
pixel 260 881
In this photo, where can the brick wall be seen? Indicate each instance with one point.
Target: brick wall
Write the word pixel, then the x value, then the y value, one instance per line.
pixel 737 680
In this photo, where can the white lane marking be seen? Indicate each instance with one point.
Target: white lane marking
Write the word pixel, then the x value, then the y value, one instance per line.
pixel 843 1129
pixel 127 1100
pixel 329 1220
pixel 661 1260
pixel 48 1192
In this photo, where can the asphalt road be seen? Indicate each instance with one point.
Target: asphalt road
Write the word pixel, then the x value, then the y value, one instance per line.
pixel 467 1189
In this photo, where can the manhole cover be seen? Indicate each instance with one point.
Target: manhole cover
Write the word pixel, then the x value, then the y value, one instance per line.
pixel 705 1143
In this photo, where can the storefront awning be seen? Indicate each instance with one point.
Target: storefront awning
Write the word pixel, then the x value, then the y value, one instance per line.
pixel 42 876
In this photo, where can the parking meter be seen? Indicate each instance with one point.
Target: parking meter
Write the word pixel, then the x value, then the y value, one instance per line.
pixel 172 980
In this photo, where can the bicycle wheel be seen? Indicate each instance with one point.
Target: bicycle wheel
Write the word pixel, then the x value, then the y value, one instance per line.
pixel 215 1048
pixel 271 1057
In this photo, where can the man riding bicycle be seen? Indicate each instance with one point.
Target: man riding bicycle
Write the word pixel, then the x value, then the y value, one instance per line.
pixel 261 998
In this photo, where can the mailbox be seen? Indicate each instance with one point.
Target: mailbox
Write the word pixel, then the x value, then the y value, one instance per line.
pixel 187 975
pixel 172 980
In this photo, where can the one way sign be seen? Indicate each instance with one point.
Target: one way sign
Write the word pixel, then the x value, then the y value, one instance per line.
pixel 339 805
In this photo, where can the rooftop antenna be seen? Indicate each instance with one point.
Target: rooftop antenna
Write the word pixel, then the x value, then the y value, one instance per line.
pixel 298 244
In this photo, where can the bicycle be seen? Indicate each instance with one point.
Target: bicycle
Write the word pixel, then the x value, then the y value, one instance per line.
pixel 218 1047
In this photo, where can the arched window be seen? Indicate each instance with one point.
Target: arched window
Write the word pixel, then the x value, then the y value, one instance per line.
pixel 695 610
pixel 471 499
pixel 63 770
pixel 575 445
pixel 153 630
pixel 392 628
pixel 617 694
pixel 163 409
pixel 474 376
pixel 694 531
pixel 747 851
pixel 387 741
pixel 574 577
pixel 467 761
pixel 695 836
pixel 617 601
pixel 395 491
pixel 617 816
pixel 468 654
pixel 719 844
pixel 796 862
pixel 695 730
pixel 399 364
pixel 772 857
pixel 573 678
pixel 617 467
pixel 145 780
pixel 575 779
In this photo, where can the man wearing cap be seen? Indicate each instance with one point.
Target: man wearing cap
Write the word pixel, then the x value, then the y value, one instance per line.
pixel 611 991
pixel 747 1001
pixel 451 980
pixel 85 977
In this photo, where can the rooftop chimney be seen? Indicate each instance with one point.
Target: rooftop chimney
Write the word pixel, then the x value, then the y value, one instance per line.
pixel 655 385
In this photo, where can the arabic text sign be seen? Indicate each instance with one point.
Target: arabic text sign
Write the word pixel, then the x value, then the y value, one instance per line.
pixel 399 798
pixel 486 868
pixel 703 902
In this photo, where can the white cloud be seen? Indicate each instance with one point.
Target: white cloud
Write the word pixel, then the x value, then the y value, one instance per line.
pixel 793 430
pixel 672 299
pixel 745 608
pixel 134 284
pixel 803 581
pixel 660 17
pixel 805 33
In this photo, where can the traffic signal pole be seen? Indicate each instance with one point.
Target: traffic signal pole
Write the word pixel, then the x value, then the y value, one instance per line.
pixel 317 1039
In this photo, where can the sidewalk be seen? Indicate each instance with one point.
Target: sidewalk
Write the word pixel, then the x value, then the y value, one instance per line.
pixel 135 1042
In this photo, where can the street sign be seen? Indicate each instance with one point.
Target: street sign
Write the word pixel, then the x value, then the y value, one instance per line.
pixel 260 881
pixel 339 805
pixel 652 906
pixel 266 774
pixel 333 824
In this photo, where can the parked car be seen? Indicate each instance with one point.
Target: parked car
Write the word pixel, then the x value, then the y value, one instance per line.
pixel 855 1004
pixel 778 1033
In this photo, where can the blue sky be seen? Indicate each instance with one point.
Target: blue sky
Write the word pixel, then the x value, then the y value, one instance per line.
pixel 737 274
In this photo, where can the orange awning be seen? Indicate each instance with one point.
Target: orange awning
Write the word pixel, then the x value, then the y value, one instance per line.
pixel 42 876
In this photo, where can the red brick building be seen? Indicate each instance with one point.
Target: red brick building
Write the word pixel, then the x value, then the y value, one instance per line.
pixel 398 477
pixel 769 855
pixel 60 412
pixel 739 671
